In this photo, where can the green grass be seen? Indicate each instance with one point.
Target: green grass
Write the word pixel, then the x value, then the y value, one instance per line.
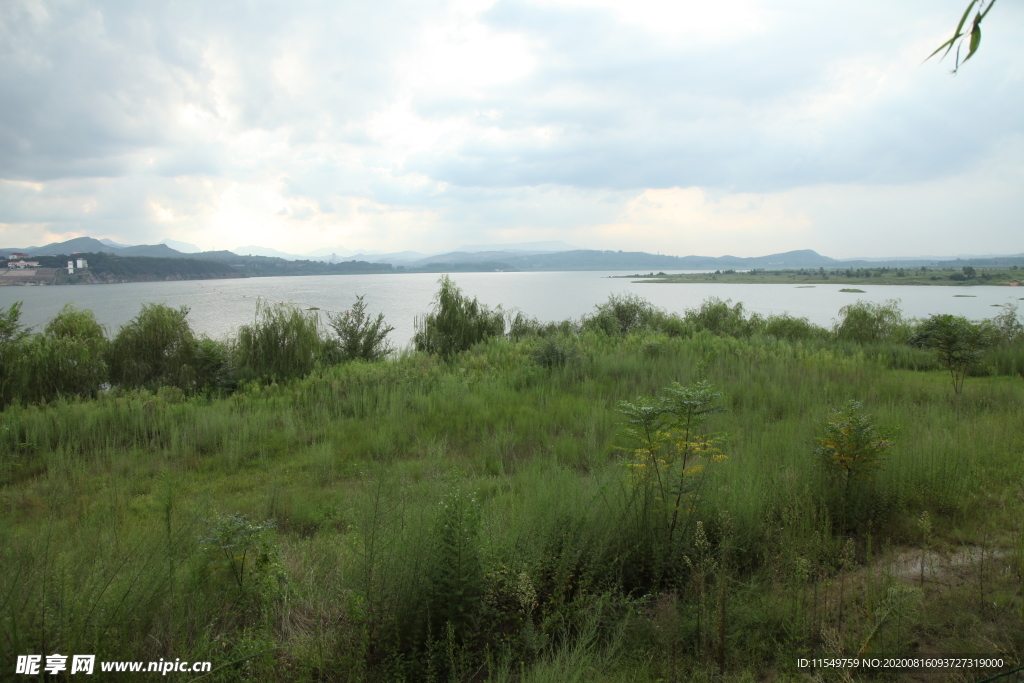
pixel 474 520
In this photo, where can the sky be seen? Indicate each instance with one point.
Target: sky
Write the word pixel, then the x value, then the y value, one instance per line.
pixel 743 127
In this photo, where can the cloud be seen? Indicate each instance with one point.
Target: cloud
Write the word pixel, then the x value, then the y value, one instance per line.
pixel 421 125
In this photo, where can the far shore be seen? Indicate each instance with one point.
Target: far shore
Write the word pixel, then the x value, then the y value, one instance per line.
pixel 1006 277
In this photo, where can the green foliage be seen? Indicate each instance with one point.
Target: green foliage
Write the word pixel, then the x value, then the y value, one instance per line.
pixel 865 322
pixel 560 565
pixel 668 459
pixel 67 359
pixel 1007 327
pixel 283 342
pixel 792 329
pixel 156 348
pixel 10 327
pixel 214 365
pixel 359 337
pixel 555 352
pixel 456 574
pixel 974 40
pixel 718 317
pixel 238 544
pixel 957 342
pixel 456 323
pixel 11 336
pixel 851 445
pixel 244 566
pixel 622 314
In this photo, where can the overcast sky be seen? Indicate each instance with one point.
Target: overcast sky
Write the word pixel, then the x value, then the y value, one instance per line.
pixel 740 126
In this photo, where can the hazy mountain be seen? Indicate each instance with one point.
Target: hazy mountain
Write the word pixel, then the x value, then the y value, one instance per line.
pixel 588 259
pixel 155 250
pixel 84 244
pixel 554 245
pixel 183 247
pixel 394 257
pixel 325 253
pixel 112 243
pixel 253 250
pixel 262 260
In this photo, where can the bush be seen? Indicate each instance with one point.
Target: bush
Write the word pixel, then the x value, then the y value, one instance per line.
pixel 282 343
pixel 1006 327
pixel 791 329
pixel 718 317
pixel 866 323
pixel 156 348
pixel 358 336
pixel 554 353
pixel 456 323
pixel 11 336
pixel 67 359
pixel 622 314
pixel 215 367
pixel 850 445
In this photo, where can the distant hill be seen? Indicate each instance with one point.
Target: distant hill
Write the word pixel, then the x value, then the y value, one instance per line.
pixel 256 265
pixel 531 247
pixel 589 259
pixel 183 247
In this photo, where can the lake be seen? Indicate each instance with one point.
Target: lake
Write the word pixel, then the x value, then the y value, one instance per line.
pixel 220 306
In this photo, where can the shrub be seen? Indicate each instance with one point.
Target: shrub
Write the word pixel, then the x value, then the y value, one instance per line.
pixel 1006 327
pixel 11 336
pixel 554 352
pixel 718 317
pixel 214 365
pixel 850 445
pixel 456 323
pixel 283 342
pixel 155 348
pixel 790 328
pixel 668 458
pixel 865 322
pixel 521 326
pixel 67 359
pixel 622 314
pixel 360 337
pixel 242 556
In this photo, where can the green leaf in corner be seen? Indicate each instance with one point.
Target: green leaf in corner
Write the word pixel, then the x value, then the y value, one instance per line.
pixel 975 37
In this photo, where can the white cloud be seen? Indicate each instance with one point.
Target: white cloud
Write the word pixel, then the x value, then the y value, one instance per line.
pixel 666 126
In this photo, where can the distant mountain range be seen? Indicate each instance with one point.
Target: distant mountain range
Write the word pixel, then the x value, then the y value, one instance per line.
pixel 520 256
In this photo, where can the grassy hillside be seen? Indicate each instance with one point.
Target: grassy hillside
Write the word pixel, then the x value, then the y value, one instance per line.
pixel 528 509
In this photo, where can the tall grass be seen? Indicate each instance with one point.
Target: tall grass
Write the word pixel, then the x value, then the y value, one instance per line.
pixel 474 517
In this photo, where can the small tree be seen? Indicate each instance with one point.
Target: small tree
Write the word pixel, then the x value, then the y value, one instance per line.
pixel 456 323
pixel 155 348
pixel 865 322
pixel 851 446
pixel 68 358
pixel 670 449
pixel 358 335
pixel 957 342
pixel 11 336
pixel 283 342
pixel 622 314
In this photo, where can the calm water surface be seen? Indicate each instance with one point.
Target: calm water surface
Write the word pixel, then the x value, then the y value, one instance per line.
pixel 220 306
